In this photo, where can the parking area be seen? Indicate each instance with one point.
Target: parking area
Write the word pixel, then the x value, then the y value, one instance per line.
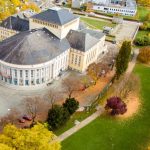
pixel 126 31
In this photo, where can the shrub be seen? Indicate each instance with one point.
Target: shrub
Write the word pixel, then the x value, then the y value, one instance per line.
pixel 71 105
pixel 57 116
pixel 144 55
pixel 116 105
pixel 143 41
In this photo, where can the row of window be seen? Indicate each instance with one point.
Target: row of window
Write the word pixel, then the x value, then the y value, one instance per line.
pixel 45 23
pixel 76 60
pixel 21 82
pixel 121 10
pixel 6 32
pixel 90 56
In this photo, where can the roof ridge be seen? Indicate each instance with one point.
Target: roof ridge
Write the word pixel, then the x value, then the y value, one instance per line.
pixel 14 48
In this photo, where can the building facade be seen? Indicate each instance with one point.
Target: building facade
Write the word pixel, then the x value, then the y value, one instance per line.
pixel 6 33
pixel 34 58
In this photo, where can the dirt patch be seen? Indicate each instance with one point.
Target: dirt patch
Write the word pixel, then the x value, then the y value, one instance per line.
pixel 133 105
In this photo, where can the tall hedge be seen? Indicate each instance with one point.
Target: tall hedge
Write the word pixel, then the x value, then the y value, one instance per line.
pixel 123 58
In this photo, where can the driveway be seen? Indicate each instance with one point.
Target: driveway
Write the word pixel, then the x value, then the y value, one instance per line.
pixel 126 31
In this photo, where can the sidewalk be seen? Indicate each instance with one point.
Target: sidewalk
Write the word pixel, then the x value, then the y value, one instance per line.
pixel 80 125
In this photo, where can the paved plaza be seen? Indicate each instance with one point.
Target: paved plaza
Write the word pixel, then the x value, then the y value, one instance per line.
pixel 11 98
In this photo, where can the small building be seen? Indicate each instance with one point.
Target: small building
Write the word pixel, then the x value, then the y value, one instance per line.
pixel 77 3
pixel 107 30
pixel 117 19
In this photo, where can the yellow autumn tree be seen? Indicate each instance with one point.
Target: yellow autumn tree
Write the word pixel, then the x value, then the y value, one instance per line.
pixel 5 147
pixel 16 2
pixel 144 2
pixel 38 137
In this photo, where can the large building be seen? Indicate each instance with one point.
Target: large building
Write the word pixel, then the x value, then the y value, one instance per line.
pixel 53 43
pixel 123 7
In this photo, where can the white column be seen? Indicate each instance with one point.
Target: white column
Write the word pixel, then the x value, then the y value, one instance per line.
pixel 40 76
pixel 23 77
pixel 18 76
pixel 29 77
pixel 35 76
pixel 12 72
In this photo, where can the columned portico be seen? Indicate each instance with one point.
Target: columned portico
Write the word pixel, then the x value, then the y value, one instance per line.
pixel 32 75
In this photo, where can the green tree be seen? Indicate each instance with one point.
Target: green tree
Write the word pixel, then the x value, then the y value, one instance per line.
pixel 38 138
pixel 57 116
pixel 122 59
pixel 71 104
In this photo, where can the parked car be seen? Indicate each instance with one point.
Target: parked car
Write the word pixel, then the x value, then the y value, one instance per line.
pixel 21 120
pixel 26 117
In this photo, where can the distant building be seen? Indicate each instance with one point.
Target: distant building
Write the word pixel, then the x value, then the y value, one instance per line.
pixel 107 30
pixel 53 43
pixel 16 23
pixel 123 7
pixel 77 3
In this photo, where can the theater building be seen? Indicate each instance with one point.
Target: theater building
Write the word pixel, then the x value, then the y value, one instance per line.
pixel 53 43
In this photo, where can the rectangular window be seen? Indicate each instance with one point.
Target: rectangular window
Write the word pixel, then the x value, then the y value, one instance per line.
pixel 76 58
pixel 79 61
pixel 72 58
pixel 31 73
pixel 21 73
pixel 15 73
pixel 26 73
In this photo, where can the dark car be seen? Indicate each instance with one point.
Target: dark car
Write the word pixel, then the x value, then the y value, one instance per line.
pixel 21 120
pixel 26 117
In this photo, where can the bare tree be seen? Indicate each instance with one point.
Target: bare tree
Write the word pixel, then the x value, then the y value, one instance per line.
pixel 127 85
pixel 35 106
pixel 95 71
pixel 52 96
pixel 71 85
pixel 10 118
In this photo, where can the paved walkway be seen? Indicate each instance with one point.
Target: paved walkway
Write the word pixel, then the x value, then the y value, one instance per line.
pixel 97 113
pixel 80 125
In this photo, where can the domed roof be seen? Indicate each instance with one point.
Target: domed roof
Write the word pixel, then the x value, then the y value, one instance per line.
pixel 32 47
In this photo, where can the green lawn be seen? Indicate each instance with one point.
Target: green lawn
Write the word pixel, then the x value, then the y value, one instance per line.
pixel 107 133
pixel 143 11
pixel 141 33
pixel 97 24
pixel 77 116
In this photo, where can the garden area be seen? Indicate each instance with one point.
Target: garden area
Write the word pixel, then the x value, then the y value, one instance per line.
pixel 96 23
pixel 109 132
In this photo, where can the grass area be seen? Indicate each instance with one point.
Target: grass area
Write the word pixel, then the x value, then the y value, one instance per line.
pixel 108 133
pixel 142 33
pixel 97 24
pixel 143 12
pixel 110 38
pixel 77 116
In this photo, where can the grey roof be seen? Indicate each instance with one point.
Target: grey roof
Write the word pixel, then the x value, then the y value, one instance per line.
pixel 84 40
pixel 16 23
pixel 94 33
pixel 82 25
pixel 32 47
pixel 56 16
